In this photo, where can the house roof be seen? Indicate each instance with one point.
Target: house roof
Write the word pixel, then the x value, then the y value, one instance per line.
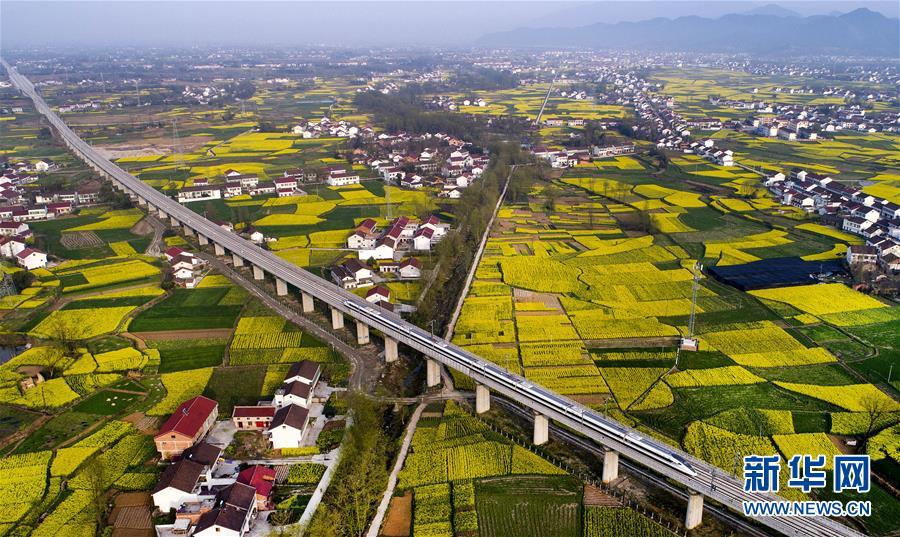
pixel 296 388
pixel 260 478
pixel 27 252
pixel 261 411
pixel 240 495
pixel 412 261
pixel 228 517
pixel 305 369
pixel 183 475
pixel 379 290
pixel 354 265
pixel 189 417
pixel 203 453
pixel 291 415
pixel 173 251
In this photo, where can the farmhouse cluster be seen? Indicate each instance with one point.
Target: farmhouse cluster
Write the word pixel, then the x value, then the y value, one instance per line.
pixel 326 128
pixel 875 219
pixel 569 157
pixel 444 163
pixel 214 496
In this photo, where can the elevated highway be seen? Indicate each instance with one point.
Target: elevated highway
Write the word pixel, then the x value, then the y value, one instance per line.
pixel 698 477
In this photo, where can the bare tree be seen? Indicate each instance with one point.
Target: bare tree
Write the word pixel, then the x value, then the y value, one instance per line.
pixel 65 335
pixel 875 409
pixel 95 474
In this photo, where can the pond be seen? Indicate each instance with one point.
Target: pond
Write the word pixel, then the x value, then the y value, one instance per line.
pixel 8 352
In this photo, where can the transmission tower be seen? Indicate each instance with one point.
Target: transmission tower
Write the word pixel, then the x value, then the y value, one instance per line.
pixel 697 271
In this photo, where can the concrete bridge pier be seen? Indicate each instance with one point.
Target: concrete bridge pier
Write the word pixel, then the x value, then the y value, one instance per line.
pixel 482 398
pixel 258 273
pixel 203 240
pixel 362 333
pixel 162 215
pixel 541 429
pixel 307 303
pixel 141 201
pixel 280 287
pixel 188 232
pixel 173 221
pixel 432 373
pixel 390 350
pixel 694 515
pixel 337 319
pixel 237 260
pixel 610 466
pixel 220 251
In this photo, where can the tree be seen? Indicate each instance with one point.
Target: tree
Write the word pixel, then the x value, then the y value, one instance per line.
pixel 95 475
pixel 875 409
pixel 65 335
pixel 22 279
pixel 360 477
pixel 551 195
pixel 280 519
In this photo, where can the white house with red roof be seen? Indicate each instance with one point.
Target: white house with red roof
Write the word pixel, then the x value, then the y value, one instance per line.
pixel 423 239
pixel 378 294
pixel 13 228
pixel 10 246
pixel 31 259
pixel 189 423
pixel 341 177
pixel 253 418
pixel 410 268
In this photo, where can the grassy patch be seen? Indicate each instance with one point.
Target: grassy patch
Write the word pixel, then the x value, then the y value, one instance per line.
pixel 232 386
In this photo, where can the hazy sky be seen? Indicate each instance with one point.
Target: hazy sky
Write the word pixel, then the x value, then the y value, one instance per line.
pixel 351 23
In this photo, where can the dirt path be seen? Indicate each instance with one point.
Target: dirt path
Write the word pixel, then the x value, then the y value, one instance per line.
pixel 182 334
pixel 92 294
pixel 375 527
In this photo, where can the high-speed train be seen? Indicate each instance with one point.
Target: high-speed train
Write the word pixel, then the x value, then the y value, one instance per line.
pixel 547 398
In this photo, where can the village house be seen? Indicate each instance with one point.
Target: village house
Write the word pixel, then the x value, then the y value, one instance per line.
pixel 364 236
pixel 10 246
pixel 293 394
pixel 262 479
pixel 235 507
pixel 410 268
pixel 340 177
pixel 14 228
pixel 199 193
pixel 288 426
pixel 379 294
pixel 31 259
pixel 351 274
pixel 858 254
pixel 176 485
pixel 189 423
pixel 252 418
pixel 305 371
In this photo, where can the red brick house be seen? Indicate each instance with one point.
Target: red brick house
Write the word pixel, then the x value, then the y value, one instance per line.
pixel 189 423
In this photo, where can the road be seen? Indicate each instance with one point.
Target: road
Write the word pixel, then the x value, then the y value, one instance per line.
pixel 692 473
pixel 157 245
pixel 378 519
pixel 537 120
pixel 364 373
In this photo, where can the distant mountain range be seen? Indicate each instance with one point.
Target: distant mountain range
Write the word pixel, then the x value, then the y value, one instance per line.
pixel 769 30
